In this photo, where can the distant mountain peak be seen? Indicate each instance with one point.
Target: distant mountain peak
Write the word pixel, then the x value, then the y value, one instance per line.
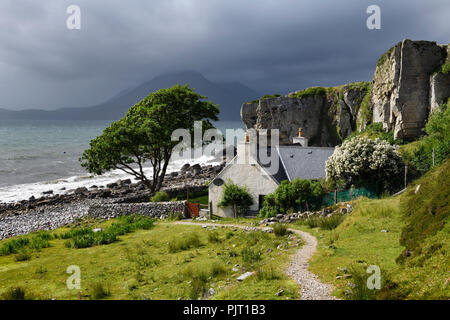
pixel 229 96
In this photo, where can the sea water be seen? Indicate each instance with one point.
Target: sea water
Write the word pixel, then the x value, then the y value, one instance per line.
pixel 41 155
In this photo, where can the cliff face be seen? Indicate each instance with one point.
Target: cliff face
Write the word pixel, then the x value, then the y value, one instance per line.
pixel 327 115
pixel 403 83
pixel 409 82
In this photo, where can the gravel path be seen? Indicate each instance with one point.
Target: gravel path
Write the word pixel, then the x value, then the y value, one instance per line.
pixel 310 286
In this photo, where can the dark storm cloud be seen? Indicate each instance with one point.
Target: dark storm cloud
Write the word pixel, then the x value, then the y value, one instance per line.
pixel 271 46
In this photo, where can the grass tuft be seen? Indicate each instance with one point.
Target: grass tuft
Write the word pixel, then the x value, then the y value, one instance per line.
pixel 185 243
pixel 280 230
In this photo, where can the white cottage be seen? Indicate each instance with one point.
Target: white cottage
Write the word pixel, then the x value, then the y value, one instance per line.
pixel 294 161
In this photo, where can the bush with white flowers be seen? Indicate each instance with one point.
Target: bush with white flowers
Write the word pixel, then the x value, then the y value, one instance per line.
pixel 362 160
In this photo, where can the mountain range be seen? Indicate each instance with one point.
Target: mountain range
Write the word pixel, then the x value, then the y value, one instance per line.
pixel 229 96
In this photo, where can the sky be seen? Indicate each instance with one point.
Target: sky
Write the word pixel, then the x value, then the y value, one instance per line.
pixel 272 46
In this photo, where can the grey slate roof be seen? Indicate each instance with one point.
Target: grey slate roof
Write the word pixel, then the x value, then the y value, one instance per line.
pixel 296 162
pixel 280 175
pixel 304 162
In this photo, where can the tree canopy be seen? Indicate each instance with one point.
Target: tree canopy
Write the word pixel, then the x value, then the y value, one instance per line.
pixel 290 196
pixel 237 197
pixel 362 161
pixel 144 134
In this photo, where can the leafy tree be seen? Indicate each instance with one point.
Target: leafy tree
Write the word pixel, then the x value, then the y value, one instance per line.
pixel 361 161
pixel 290 196
pixel 237 197
pixel 160 196
pixel 144 134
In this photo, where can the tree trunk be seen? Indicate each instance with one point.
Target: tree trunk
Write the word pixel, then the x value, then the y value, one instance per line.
pixel 235 211
pixel 162 175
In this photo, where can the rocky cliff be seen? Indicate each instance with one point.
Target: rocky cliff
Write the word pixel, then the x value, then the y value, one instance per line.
pixel 410 80
pixel 327 115
pixel 407 85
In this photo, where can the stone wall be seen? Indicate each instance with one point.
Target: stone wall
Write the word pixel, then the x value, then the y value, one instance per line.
pixel 149 209
pixel 171 192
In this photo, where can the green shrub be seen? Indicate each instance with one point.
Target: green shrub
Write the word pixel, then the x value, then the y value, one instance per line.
pixel 445 69
pixel 290 197
pixel 331 222
pixel 24 255
pixel 325 223
pixel 229 235
pixel 218 269
pixel 268 274
pixel 213 237
pixel 38 243
pixel 44 235
pixel 14 293
pixel 160 196
pixel 310 92
pixel 176 215
pixel 280 230
pixel 250 255
pixel 85 237
pixel 99 291
pixel 198 285
pixel 78 232
pixel 375 130
pixel 357 286
pixel 185 243
pixel 312 222
pixel 13 246
pixel 239 198
pixel 198 282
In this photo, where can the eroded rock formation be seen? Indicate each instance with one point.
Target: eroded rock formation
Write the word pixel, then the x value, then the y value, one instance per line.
pixel 327 115
pixel 401 96
pixel 410 81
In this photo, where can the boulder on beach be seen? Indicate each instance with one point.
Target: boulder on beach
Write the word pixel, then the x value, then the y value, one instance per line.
pixel 195 169
pixel 185 168
pixel 80 190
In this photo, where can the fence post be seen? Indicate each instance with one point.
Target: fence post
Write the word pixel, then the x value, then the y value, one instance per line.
pixel 406 174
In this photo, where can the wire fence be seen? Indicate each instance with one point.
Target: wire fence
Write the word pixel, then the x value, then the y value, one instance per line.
pixel 330 198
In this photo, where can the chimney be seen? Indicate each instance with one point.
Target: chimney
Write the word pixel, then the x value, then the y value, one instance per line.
pixel 245 154
pixel 301 140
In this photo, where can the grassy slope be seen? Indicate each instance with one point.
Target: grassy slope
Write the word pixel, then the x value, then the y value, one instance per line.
pixel 140 266
pixel 359 242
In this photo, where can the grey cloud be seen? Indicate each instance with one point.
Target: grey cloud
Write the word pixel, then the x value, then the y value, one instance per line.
pixel 271 46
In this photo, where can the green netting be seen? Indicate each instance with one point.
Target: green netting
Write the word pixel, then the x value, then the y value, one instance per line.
pixel 328 199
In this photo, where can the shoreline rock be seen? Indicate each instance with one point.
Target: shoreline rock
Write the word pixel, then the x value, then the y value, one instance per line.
pixel 120 191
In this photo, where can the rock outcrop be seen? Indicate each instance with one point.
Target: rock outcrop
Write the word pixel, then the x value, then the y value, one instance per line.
pixel 327 115
pixel 401 96
pixel 409 83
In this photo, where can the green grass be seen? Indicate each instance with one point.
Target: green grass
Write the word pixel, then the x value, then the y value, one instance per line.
pixel 310 92
pixel 445 69
pixel 358 241
pixel 141 265
pixel 412 251
pixel 85 237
